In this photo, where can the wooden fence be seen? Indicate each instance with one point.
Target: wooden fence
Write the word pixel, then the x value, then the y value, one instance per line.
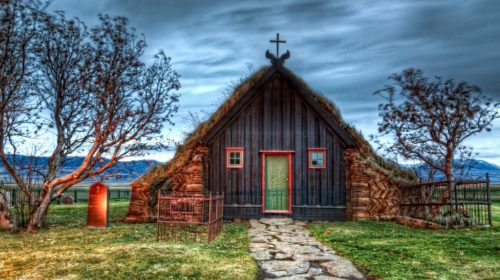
pixel 463 204
pixel 184 216
pixel 78 193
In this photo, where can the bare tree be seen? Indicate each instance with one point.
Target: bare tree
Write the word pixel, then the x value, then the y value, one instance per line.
pixel 18 26
pixel 428 120
pixel 97 98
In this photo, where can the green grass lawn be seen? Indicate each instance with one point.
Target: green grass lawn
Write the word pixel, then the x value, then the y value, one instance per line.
pixel 66 249
pixel 393 251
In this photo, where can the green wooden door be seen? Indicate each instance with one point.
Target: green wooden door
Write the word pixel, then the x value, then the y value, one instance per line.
pixel 276 182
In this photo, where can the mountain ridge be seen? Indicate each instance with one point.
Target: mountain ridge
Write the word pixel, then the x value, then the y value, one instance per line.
pixel 125 172
pixel 473 169
pixel 122 172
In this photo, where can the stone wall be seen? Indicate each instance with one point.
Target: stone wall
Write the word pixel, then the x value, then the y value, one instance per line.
pixel 371 192
pixel 190 176
pixel 185 176
pixel 139 210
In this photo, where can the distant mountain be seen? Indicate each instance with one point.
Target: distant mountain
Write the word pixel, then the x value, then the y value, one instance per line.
pixel 121 173
pixel 128 171
pixel 473 169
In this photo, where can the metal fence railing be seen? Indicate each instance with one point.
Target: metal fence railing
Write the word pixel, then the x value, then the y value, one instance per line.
pixel 495 193
pixel 462 204
pixel 185 216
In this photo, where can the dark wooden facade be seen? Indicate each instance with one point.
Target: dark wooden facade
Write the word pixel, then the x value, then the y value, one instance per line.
pixel 277 115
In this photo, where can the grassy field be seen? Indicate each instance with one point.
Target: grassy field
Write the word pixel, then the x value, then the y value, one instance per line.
pixel 393 251
pixel 68 250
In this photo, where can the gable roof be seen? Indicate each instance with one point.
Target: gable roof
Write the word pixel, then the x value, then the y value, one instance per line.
pixel 244 90
pixel 299 86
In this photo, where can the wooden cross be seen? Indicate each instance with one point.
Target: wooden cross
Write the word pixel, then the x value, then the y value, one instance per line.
pixel 277 41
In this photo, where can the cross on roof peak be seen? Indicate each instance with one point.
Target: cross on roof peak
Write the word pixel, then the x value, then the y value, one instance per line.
pixel 277 60
pixel 277 42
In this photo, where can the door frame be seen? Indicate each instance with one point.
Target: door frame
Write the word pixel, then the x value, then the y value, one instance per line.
pixel 290 178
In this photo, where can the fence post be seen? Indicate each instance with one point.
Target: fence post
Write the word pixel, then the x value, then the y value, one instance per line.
pixel 455 193
pixel 210 217
pixel 488 197
pixel 76 197
pixel 158 217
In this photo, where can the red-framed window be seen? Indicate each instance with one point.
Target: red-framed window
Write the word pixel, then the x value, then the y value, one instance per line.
pixel 234 157
pixel 316 158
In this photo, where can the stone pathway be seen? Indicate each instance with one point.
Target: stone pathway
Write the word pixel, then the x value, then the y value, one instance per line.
pixel 284 249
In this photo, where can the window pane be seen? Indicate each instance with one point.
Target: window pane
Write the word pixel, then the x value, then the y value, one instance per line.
pixel 317 158
pixel 234 158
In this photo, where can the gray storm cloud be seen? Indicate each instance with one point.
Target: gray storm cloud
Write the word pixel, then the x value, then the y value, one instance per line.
pixel 344 49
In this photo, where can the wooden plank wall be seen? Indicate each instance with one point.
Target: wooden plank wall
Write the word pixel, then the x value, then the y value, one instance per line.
pixel 279 119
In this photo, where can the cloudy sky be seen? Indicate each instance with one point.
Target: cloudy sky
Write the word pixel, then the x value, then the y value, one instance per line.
pixel 344 49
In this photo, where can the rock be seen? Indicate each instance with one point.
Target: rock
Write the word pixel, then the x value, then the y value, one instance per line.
pixel 315 257
pixel 261 255
pixel 300 223
pixel 342 268
pixel 281 256
pixel 289 267
pixel 326 277
pixel 276 221
pixel 308 250
pixel 67 200
pixel 326 249
pixel 259 239
pixel 277 273
pixel 256 225
pixel 297 239
pixel 293 277
pixel 259 232
pixel 314 271
pixel 260 246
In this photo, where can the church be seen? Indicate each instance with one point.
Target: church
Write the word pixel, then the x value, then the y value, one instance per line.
pixel 277 148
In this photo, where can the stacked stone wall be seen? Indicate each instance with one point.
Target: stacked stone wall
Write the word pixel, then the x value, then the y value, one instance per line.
pixel 371 192
pixel 186 176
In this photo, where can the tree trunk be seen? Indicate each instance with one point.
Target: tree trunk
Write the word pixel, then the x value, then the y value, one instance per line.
pixel 6 222
pixel 448 171
pixel 37 216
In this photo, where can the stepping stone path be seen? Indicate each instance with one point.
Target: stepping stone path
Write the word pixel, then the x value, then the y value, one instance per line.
pixel 284 249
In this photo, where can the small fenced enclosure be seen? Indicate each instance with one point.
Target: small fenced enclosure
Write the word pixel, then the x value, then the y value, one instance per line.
pixel 462 204
pixel 189 217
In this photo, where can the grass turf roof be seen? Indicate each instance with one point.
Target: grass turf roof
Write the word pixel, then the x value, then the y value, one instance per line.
pixel 184 151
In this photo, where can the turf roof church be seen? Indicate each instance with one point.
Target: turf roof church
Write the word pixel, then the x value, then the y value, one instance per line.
pixel 275 147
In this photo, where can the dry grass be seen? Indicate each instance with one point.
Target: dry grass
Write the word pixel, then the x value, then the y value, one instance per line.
pixel 66 249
